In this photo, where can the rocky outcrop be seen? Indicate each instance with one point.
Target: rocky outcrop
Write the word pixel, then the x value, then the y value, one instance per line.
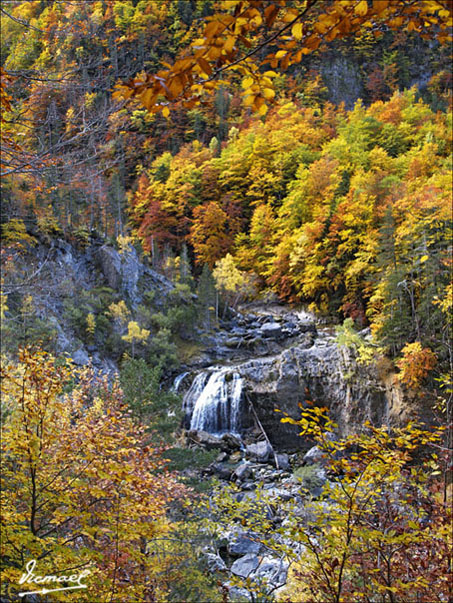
pixel 317 370
pixel 61 277
pixel 343 80
pixel 126 272
pixel 325 374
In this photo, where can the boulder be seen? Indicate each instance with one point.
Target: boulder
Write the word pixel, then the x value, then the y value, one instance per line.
pixel 236 457
pixel 272 570
pixel 223 470
pixel 205 439
pixel 283 461
pixel 243 545
pixel 231 441
pixel 242 472
pixel 271 329
pixel 307 326
pixel 80 357
pixel 259 452
pixel 215 563
pixel 314 455
pixel 245 565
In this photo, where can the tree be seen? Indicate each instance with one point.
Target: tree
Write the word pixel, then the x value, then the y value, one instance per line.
pixel 80 489
pixel 185 269
pixel 209 233
pixel 231 281
pixel 207 296
pixel 230 41
pixel 381 526
pixel 415 364
pixel 135 334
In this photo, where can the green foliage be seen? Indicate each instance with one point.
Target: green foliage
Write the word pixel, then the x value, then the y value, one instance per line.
pixel 190 458
pixel 95 303
pixel 347 336
pixel 23 326
pixel 309 476
pixel 162 350
pixel 152 405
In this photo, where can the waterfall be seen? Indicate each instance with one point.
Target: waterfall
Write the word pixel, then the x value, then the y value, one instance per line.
pixel 216 401
pixel 178 380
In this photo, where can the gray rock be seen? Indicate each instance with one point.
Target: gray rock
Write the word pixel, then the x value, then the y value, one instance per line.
pixel 273 571
pixel 240 331
pixel 243 545
pixel 233 342
pixel 236 457
pixel 242 472
pixel 279 493
pixel 63 343
pixel 314 455
pixel 235 593
pixel 123 271
pixel 223 470
pixel 215 563
pixel 283 461
pixel 259 451
pixel 343 80
pixel 80 357
pixel 307 326
pixel 271 329
pixel 205 439
pixel 231 441
pixel 244 566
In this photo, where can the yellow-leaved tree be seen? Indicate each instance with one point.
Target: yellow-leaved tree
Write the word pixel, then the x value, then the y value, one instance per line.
pixel 135 334
pixel 250 39
pixel 80 489
pixel 231 281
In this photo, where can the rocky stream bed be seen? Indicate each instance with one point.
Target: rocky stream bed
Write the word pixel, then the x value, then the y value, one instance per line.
pixel 260 360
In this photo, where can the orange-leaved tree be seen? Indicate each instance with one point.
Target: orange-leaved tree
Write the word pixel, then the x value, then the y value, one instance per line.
pixel 248 39
pixel 81 490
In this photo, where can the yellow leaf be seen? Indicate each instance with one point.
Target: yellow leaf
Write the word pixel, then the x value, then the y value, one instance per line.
pixel 148 98
pixel 296 31
pixel 361 8
pixel 229 43
pixel 247 82
pixel 424 258
pixel 268 93
pixel 280 54
pixel 165 111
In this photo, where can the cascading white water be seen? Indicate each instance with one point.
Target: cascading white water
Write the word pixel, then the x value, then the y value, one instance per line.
pixel 216 401
pixel 178 380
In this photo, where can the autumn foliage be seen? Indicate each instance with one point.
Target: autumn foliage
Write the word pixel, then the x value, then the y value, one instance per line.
pixel 379 527
pixel 229 41
pixel 80 487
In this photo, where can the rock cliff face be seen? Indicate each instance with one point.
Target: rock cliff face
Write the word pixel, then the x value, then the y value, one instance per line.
pixel 316 369
pixel 323 373
pixel 58 274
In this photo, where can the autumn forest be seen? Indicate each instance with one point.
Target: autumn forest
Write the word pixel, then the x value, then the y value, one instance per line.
pixel 226 305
